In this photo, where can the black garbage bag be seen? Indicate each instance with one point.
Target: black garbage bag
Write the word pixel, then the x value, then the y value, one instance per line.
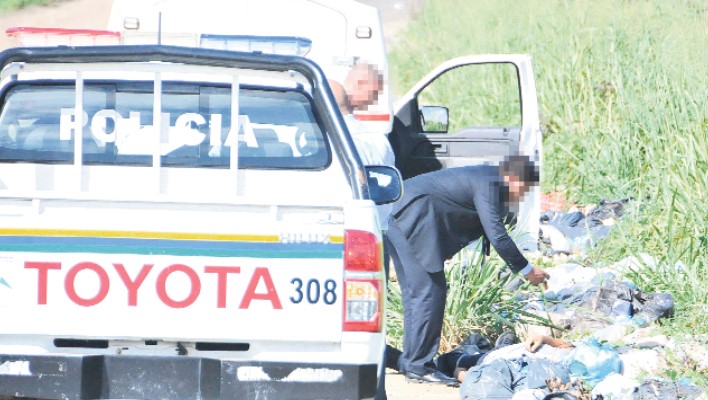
pixel 540 370
pixel 497 380
pixel 610 299
pixel 608 209
pixel 470 352
pixel 657 389
pixel 461 357
pixel 581 231
pixel 652 307
pixel 476 339
pixel 562 395
pixel 501 378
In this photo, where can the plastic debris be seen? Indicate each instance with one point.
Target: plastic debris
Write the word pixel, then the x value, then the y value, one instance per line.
pixel 540 370
pixel 637 362
pixel 611 299
pixel 611 333
pixel 568 277
pixel 659 389
pixel 498 380
pixel 561 396
pixel 570 391
pixel 530 394
pixel 567 232
pixel 594 299
pixel 592 362
pixel 502 378
pixel 696 353
pixel 653 307
pixel 641 340
pixel 615 387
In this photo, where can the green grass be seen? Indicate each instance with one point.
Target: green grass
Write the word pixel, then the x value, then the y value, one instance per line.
pixel 623 96
pixel 11 5
pixel 477 302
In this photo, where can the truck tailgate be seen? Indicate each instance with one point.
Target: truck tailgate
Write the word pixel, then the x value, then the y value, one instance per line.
pixel 173 284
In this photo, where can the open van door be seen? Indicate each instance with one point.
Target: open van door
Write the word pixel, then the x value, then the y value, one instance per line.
pixel 468 111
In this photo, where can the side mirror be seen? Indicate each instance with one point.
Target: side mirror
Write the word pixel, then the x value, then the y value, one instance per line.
pixel 434 119
pixel 385 183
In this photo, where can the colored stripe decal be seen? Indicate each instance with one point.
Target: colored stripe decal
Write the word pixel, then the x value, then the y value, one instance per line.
pixel 180 247
pixel 140 235
pixel 372 117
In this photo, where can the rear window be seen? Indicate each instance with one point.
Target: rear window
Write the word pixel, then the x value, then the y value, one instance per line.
pixel 276 127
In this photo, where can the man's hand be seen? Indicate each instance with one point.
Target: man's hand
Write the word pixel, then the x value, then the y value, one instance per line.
pixel 537 276
pixel 533 343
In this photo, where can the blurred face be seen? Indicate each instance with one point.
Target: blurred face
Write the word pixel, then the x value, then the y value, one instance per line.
pixel 517 188
pixel 363 87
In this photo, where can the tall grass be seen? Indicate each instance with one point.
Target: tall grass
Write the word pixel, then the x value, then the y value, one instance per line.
pixel 10 5
pixel 477 301
pixel 623 92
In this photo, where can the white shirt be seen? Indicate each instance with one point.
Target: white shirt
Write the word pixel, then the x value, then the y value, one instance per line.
pixel 373 149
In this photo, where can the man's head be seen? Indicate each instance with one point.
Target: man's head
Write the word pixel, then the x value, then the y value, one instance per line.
pixel 519 175
pixel 363 84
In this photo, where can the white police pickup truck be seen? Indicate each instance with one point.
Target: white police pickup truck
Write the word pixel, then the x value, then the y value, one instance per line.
pixel 184 223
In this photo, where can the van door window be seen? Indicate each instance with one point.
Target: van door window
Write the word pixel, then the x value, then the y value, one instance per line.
pixel 468 114
pixel 484 96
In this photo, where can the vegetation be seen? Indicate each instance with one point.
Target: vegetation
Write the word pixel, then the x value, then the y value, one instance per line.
pixel 9 5
pixel 477 301
pixel 623 98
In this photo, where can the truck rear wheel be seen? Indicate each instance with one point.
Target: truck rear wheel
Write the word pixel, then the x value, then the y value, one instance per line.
pixel 381 385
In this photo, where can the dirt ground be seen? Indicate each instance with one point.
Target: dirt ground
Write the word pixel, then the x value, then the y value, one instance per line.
pixel 93 14
pixel 80 14
pixel 398 389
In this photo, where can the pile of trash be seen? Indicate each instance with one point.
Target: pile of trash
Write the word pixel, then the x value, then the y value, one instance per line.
pixel 616 355
pixel 584 370
pixel 593 299
pixel 579 228
pixel 610 346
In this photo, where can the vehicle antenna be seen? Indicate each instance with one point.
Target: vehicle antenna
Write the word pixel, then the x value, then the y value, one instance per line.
pixel 159 28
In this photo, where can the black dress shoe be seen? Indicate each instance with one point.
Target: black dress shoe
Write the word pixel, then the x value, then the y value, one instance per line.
pixel 507 338
pixel 435 377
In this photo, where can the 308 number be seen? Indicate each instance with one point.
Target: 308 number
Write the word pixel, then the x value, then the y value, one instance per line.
pixel 313 291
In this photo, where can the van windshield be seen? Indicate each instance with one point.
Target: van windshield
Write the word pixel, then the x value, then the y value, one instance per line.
pixel 275 128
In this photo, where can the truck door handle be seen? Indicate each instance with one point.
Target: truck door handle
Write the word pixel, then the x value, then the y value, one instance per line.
pixel 440 148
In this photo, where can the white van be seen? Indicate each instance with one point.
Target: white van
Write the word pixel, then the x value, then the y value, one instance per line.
pixel 489 111
pixel 334 33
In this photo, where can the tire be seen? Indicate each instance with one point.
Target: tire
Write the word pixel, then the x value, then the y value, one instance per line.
pixel 381 384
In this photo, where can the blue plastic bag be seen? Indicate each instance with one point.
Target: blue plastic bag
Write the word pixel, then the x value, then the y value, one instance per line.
pixel 592 362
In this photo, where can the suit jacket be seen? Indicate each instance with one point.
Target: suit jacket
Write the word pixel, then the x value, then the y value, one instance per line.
pixel 443 211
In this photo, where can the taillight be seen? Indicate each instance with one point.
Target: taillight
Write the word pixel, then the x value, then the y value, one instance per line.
pixel 362 305
pixel 363 282
pixel 362 252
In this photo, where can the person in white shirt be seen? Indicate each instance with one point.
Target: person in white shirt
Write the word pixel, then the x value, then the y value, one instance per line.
pixel 364 83
pixel 373 147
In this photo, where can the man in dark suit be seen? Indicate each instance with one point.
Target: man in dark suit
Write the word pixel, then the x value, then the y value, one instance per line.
pixel 440 213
